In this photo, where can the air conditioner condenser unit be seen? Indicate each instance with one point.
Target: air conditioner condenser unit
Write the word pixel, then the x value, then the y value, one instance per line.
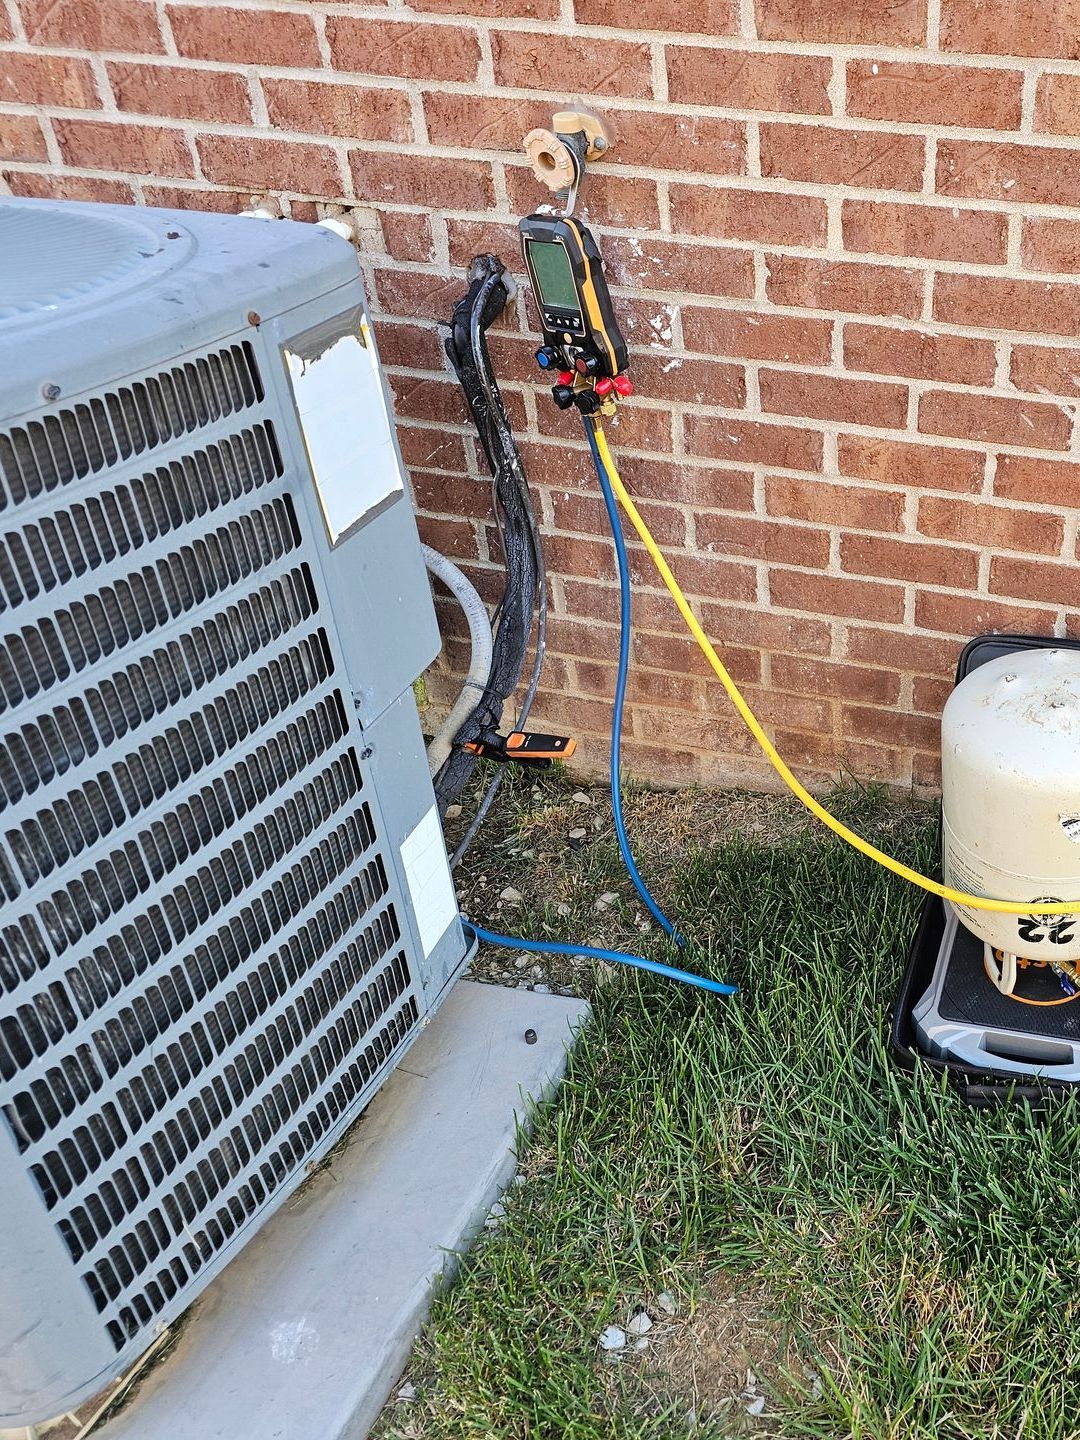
pixel 226 909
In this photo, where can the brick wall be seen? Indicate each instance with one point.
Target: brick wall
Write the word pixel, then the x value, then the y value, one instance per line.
pixel 845 240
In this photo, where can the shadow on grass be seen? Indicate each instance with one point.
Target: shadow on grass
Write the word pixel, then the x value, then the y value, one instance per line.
pixel 921 1257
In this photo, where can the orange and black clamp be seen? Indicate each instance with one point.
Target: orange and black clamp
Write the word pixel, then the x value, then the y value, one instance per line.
pixel 523 747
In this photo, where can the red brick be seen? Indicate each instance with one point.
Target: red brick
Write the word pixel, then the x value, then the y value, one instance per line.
pixel 255 163
pixel 491 9
pixel 71 187
pixel 893 559
pixel 185 94
pixel 676 691
pixel 482 122
pixel 455 538
pixel 714 576
pixel 1037 482
pixel 250 37
pixel 831 397
pixel 413 346
pixel 94 25
pixel 637 426
pixel 931 231
pixel 443 451
pixel 708 143
pixel 681 654
pixel 1035 580
pixel 836 595
pixel 1057 104
pixel 893 462
pixel 21 138
pixel 797 712
pixel 748 80
pixel 843 22
pixel 1046 371
pixel 397 179
pixel 36 79
pixel 405 49
pixel 689 382
pixel 468 238
pixel 753 442
pixel 669 142
pixel 921 94
pixel 928 695
pixel 1012 27
pixel 687 483
pixel 902 650
pixel 764 628
pixel 1008 304
pixel 704 17
pixel 968 615
pixel 844 286
pixel 408 236
pixel 994 418
pixel 647 264
pixel 757 336
pixel 627 201
pixel 897 728
pixel 582 513
pixel 849 506
pixel 726 580
pixel 977 523
pixel 6 30
pixel 706 732
pixel 868 159
pixel 177 197
pixel 1017 173
pixel 755 539
pixel 355 111
pixel 647 323
pixel 527 60
pixel 425 398
pixel 757 215
pixel 1051 245
pixel 135 149
pixel 414 295
pixel 920 354
pixel 843 682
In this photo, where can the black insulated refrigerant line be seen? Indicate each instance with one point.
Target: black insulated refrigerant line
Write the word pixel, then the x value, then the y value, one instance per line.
pixel 524 596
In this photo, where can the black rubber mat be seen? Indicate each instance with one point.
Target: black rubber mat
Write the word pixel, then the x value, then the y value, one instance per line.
pixel 1038 1006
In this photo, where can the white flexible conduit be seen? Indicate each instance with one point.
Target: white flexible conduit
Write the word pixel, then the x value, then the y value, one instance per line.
pixel 480 662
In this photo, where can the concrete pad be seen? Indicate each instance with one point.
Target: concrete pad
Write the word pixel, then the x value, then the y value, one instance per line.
pixel 304 1335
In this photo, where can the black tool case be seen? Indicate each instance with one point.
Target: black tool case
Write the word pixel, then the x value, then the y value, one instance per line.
pixel 980 1088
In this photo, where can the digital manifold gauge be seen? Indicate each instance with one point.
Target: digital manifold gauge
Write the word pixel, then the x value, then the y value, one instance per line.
pixel 576 315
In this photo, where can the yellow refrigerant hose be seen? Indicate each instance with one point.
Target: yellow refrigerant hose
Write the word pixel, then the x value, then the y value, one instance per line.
pixel 958 897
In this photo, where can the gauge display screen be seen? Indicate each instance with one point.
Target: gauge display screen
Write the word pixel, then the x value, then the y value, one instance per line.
pixel 553 276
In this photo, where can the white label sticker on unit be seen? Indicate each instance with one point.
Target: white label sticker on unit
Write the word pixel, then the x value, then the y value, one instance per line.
pixel 347 430
pixel 423 854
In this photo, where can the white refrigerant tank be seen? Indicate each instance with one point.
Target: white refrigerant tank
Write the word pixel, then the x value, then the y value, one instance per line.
pixel 1010 754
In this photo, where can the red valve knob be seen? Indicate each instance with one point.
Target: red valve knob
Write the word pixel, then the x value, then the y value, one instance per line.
pixel 624 385
pixel 604 386
pixel 566 377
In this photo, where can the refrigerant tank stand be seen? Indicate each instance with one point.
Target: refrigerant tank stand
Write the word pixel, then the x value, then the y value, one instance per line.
pixel 1000 994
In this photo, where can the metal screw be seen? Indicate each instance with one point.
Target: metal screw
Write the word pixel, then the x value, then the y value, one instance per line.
pixel 172 234
pixel 254 318
pixel 51 390
pixel 366 753
pixel 530 1037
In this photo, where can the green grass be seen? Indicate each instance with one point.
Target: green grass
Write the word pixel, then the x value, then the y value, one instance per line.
pixel 923 1258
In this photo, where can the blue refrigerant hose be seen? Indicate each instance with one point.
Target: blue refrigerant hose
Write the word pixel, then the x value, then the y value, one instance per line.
pixel 620 691
pixel 617 957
